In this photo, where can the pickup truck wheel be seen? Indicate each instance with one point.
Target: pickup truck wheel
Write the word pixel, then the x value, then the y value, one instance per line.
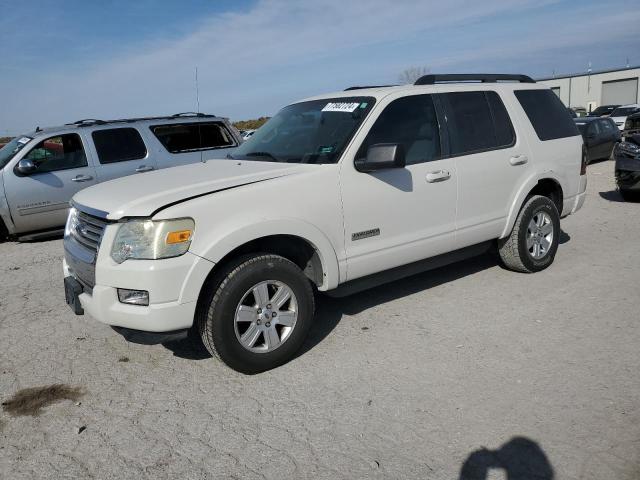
pixel 533 242
pixel 257 315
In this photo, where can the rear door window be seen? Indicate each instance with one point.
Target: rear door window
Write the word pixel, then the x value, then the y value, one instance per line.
pixel 547 114
pixel 476 122
pixel 118 145
pixel 61 152
pixel 192 137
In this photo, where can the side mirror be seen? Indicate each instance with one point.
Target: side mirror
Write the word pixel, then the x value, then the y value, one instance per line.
pixel 26 167
pixel 382 156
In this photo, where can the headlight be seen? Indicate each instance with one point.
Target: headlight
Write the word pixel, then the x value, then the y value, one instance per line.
pixel 152 240
pixel 72 219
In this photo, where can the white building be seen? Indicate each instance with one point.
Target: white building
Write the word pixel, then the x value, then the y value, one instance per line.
pixel 591 90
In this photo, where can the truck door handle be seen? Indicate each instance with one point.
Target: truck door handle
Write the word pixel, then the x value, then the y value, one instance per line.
pixel 144 168
pixel 518 160
pixel 438 176
pixel 82 178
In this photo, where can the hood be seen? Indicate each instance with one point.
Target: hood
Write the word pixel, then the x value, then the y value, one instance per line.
pixel 142 195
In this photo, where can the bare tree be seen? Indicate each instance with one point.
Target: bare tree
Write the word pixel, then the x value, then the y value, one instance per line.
pixel 411 74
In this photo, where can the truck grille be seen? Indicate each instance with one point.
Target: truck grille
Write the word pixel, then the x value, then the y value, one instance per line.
pixel 88 231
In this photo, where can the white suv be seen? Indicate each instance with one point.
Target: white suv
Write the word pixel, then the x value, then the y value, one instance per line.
pixel 335 193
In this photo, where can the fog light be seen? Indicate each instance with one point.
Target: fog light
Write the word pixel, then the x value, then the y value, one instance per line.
pixel 133 297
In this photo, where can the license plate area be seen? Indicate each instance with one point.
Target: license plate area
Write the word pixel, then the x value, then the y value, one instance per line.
pixel 72 290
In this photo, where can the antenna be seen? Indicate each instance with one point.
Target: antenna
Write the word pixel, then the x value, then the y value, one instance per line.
pixel 198 114
pixel 197 93
pixel 627 62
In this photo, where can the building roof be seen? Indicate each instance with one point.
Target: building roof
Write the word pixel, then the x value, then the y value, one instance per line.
pixel 584 74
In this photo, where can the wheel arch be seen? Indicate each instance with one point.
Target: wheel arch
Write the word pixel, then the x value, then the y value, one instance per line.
pixel 547 185
pixel 301 243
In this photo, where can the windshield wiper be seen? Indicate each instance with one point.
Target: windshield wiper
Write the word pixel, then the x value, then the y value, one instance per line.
pixel 261 154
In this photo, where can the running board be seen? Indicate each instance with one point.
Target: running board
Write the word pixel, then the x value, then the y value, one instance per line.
pixel 30 237
pixel 380 278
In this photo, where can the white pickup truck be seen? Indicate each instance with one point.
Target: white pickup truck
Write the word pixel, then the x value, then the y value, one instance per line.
pixel 335 193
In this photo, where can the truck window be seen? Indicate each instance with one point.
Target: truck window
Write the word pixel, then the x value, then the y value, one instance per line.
pixel 191 137
pixel 410 122
pixel 118 145
pixel 61 152
pixel 547 114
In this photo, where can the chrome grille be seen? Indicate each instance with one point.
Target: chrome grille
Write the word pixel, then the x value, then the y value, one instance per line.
pixel 88 231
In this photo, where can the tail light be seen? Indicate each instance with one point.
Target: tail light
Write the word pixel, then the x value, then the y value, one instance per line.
pixel 583 166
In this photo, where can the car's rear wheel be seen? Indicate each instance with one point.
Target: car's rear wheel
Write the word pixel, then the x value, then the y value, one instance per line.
pixel 533 242
pixel 257 312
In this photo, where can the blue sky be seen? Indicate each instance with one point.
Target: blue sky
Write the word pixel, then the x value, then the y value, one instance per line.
pixel 67 59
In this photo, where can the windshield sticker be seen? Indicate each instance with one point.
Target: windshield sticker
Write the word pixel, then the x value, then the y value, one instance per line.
pixel 341 107
pixel 363 105
pixel 325 149
pixel 24 140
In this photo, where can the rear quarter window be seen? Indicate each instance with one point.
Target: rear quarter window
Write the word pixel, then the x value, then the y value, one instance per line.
pixel 191 137
pixel 547 114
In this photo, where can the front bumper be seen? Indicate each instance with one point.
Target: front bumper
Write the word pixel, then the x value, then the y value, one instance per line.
pixel 173 284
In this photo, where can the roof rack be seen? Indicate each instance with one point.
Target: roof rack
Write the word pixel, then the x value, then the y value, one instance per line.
pixel 473 77
pixel 93 121
pixel 367 86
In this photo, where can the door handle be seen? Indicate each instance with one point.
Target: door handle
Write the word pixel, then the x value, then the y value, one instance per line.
pixel 518 160
pixel 438 176
pixel 144 168
pixel 82 178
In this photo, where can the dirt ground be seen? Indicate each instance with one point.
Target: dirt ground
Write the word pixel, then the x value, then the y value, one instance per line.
pixel 470 371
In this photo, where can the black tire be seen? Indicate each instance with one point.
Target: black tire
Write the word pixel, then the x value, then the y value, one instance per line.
pixel 629 196
pixel 215 317
pixel 4 233
pixel 513 249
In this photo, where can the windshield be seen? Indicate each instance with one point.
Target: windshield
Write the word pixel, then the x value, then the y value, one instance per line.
pixel 309 132
pixel 624 111
pixel 10 149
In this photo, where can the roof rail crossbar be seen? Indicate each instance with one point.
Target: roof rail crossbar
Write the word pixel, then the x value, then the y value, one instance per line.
pixel 191 114
pixel 473 77
pixel 367 86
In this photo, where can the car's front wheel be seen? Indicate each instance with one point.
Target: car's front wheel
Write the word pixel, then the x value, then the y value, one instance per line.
pixel 533 242
pixel 256 313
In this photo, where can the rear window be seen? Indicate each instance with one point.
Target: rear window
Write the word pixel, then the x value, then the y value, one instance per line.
pixel 118 145
pixel 547 114
pixel 190 137
pixel 477 121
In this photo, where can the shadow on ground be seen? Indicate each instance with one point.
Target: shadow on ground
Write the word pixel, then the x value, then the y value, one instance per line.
pixel 518 459
pixel 329 311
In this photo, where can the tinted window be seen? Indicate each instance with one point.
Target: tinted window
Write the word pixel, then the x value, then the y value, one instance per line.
pixel 58 153
pixel 624 111
pixel 607 125
pixel 118 145
pixel 477 121
pixel 410 122
pixel 189 137
pixel 547 114
pixel 505 136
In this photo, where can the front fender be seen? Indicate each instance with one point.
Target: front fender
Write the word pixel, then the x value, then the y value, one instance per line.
pixel 216 246
pixel 522 193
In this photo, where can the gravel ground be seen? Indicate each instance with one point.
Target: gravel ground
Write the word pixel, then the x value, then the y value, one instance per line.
pixel 468 365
